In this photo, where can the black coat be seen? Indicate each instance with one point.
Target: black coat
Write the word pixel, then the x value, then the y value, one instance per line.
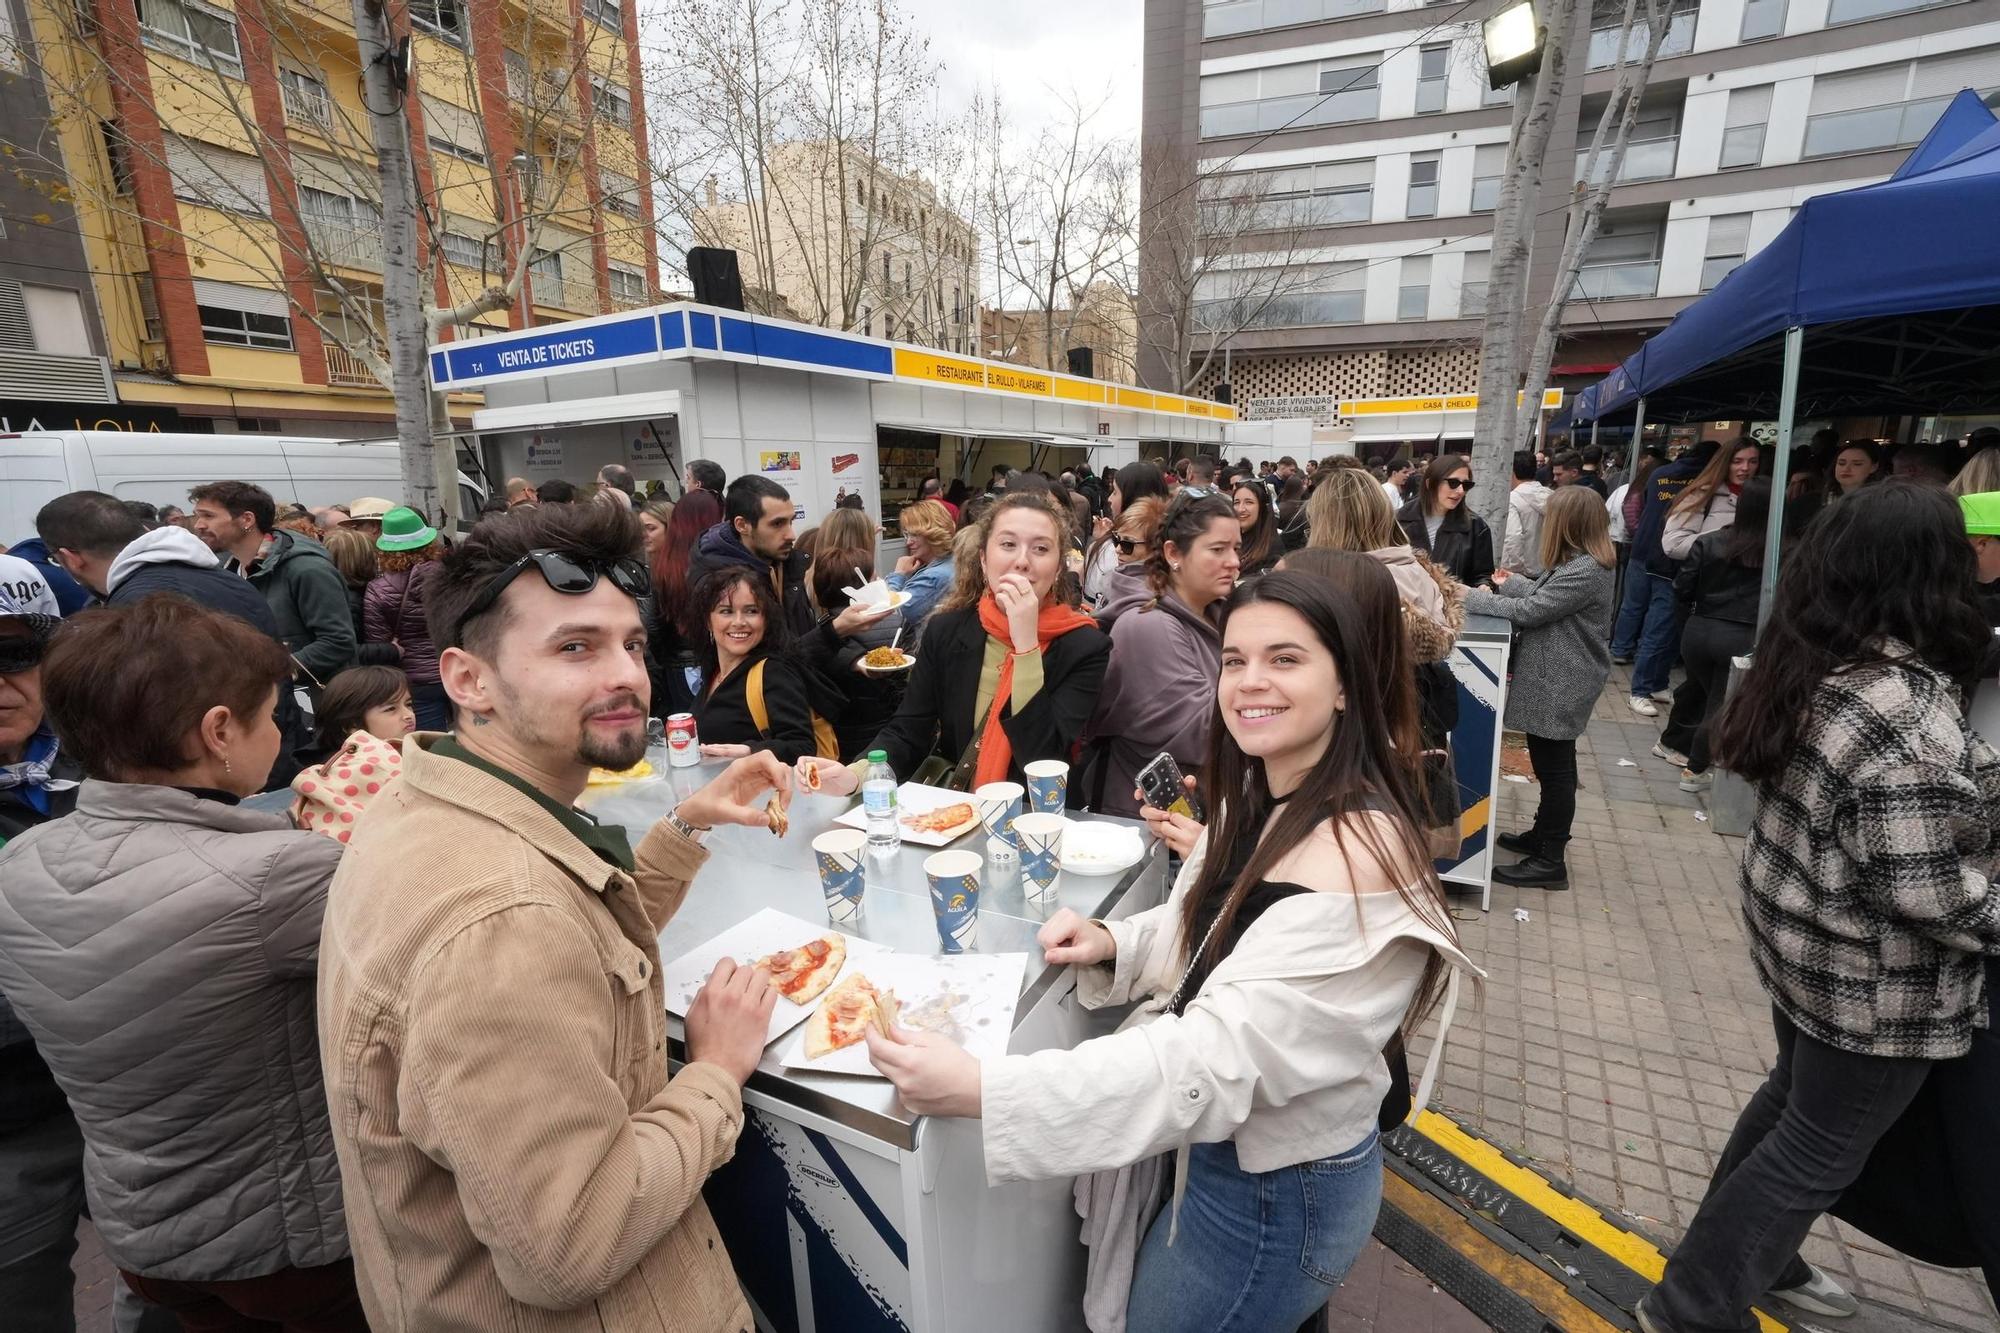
pixel 936 713
pixel 859 705
pixel 722 717
pixel 1464 542
pixel 720 548
pixel 1709 586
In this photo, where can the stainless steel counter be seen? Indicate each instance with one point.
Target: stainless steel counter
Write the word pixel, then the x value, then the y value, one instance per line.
pixel 749 870
pixel 1486 629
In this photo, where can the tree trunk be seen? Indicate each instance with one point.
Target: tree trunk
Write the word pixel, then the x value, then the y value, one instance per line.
pixel 402 276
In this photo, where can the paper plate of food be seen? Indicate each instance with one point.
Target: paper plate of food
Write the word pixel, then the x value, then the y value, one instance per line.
pixel 928 816
pixel 886 662
pixel 605 777
pixel 877 596
pixel 1091 848
pixel 803 958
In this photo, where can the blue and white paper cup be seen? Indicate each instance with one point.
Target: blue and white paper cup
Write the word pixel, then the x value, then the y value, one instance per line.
pixel 1041 854
pixel 999 806
pixel 1048 785
pixel 838 854
pixel 954 878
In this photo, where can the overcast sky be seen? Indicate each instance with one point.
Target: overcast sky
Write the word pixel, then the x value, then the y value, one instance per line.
pixel 1030 47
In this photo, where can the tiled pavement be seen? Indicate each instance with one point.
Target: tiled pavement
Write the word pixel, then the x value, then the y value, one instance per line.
pixel 1622 1027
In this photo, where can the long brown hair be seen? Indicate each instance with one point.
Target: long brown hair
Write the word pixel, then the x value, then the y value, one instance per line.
pixel 1387 643
pixel 673 597
pixel 969 583
pixel 1710 479
pixel 1258 540
pixel 1349 511
pixel 1360 774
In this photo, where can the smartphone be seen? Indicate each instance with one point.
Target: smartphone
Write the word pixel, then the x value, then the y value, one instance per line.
pixel 1161 783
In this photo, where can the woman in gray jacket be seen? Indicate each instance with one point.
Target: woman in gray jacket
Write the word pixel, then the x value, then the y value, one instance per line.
pixel 1561 660
pixel 160 944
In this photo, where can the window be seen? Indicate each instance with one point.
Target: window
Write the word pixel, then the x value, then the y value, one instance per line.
pixel 867 318
pixel 610 101
pixel 885 268
pixel 192 31
pixel 243 316
pixel 442 18
pixel 1607 21
pixel 1743 127
pixel 1433 64
pixel 1281 297
pixel 1224 18
pixel 307 103
pixel 1322 92
pixel 628 284
pixel 1489 165
pixel 118 154
pixel 1623 263
pixel 1413 291
pixel 1329 194
pixel 620 193
pixel 452 130
pixel 546 266
pixel 1472 283
pixel 1423 202
pixel 10 51
pixel 1728 246
pixel 607 13
pixel 1855 11
pixel 55 316
pixel 462 250
pixel 217 178
pixel 1890 106
pixel 1762 19
pixel 1491 96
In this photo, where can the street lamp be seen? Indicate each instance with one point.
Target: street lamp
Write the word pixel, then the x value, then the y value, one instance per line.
pixel 1514 39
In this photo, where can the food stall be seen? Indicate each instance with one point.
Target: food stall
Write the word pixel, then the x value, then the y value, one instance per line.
pixel 841 1210
pixel 820 412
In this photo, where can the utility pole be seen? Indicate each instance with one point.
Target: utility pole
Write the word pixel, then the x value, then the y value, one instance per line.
pixel 385 92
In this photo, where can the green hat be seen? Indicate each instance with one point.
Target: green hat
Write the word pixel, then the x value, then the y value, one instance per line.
pixel 1982 514
pixel 404 529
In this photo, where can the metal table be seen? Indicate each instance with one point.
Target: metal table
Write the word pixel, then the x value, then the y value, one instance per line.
pixel 888 1223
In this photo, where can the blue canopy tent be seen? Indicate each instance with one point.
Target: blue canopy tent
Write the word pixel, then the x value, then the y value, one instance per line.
pixel 1899 282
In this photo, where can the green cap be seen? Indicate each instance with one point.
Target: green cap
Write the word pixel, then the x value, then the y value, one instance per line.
pixel 1982 514
pixel 404 529
pixel 878 756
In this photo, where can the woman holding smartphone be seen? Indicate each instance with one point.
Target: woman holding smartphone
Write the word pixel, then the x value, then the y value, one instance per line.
pixel 1271 980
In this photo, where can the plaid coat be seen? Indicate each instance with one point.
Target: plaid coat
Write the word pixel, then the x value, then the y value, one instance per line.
pixel 1865 878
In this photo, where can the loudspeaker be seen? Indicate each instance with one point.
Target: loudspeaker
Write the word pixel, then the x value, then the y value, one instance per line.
pixel 716 281
pixel 1222 392
pixel 1082 363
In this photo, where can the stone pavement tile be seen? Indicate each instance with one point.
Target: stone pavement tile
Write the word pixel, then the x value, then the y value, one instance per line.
pixel 95 1277
pixel 1383 1292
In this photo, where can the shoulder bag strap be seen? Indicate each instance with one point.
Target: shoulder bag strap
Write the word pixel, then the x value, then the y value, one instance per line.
pixel 753 694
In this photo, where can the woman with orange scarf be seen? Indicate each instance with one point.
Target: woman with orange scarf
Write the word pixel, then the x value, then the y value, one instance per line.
pixel 1009 670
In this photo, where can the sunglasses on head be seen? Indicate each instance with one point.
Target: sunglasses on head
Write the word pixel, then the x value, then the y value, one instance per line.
pixel 1458 484
pixel 563 574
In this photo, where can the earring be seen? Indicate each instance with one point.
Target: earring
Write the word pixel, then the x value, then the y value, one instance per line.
pixel 225 766
pixel 1177 569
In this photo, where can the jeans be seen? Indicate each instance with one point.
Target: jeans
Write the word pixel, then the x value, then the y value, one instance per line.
pixel 1555 770
pixel 1646 629
pixel 1798 1145
pixel 1257 1252
pixel 1707 647
pixel 291 1300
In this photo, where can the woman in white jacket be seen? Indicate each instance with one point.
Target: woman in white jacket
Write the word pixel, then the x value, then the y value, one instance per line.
pixel 1286 958
pixel 1709 501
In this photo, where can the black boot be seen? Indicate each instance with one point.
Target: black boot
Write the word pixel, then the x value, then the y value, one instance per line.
pixel 1534 872
pixel 1524 842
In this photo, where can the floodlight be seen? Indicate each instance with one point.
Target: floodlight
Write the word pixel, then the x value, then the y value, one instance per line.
pixel 1514 39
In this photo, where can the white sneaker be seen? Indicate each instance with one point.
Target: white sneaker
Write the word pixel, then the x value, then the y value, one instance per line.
pixel 1663 696
pixel 1674 757
pixel 1821 1296
pixel 1697 782
pixel 1644 706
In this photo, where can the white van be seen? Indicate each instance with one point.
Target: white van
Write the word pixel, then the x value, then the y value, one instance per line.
pixel 38 466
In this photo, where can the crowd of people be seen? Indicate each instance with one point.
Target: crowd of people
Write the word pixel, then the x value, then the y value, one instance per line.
pixel 417 1080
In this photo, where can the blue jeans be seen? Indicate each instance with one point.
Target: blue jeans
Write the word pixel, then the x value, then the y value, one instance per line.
pixel 1646 629
pixel 1257 1252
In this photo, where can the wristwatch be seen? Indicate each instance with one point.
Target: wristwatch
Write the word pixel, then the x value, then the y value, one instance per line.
pixel 689 831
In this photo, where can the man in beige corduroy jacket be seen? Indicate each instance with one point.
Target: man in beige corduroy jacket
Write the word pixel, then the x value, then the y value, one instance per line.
pixel 492 1022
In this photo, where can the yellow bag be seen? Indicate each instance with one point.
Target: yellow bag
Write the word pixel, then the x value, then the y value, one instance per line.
pixel 825 744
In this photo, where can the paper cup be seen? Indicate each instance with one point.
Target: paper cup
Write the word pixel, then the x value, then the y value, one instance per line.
pixel 954 878
pixel 838 854
pixel 999 806
pixel 1041 853
pixel 1048 785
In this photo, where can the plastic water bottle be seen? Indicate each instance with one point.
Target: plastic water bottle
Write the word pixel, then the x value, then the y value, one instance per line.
pixel 878 798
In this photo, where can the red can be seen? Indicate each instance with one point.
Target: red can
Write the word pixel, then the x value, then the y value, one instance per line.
pixel 683 746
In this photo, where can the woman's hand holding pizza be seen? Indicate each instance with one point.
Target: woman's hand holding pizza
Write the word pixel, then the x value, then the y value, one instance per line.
pixel 933 1074
pixel 825 777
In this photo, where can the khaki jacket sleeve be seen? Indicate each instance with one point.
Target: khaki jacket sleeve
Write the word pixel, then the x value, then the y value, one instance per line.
pixel 509 1037
pixel 665 864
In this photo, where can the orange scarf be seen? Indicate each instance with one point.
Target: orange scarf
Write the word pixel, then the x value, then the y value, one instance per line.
pixel 996 752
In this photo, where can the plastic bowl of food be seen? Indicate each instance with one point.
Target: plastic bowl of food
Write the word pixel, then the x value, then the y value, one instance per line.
pixel 886 662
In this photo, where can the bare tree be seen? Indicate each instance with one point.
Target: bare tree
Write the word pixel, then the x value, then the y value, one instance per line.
pixel 330 210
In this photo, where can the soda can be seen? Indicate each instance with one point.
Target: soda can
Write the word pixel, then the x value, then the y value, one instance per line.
pixel 683 746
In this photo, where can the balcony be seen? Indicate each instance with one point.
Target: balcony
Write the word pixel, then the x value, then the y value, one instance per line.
pixel 1645 160
pixel 307 106
pixel 342 246
pixel 1617 282
pixel 565 293
pixel 1604 41
pixel 347 370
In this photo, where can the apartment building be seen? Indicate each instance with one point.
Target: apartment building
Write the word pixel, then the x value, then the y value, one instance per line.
pixel 222 167
pixel 1100 317
pixel 52 357
pixel 1367 134
pixel 848 243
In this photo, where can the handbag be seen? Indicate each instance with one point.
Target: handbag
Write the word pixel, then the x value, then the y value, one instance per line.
pixel 333 794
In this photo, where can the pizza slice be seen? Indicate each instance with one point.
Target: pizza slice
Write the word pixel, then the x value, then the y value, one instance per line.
pixel 777 817
pixel 845 1016
pixel 943 819
pixel 812 777
pixel 803 974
